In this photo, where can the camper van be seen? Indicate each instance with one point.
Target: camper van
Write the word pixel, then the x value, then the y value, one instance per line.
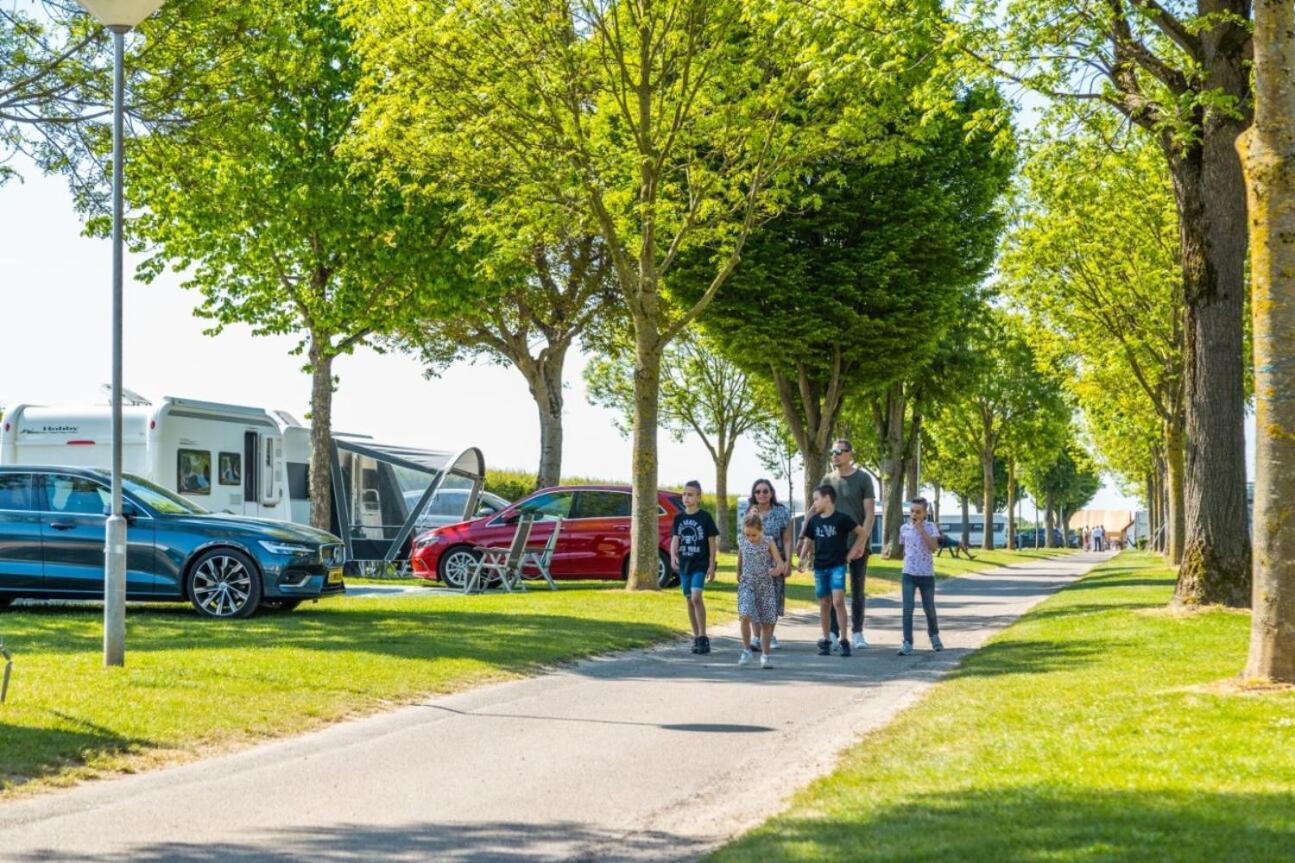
pixel 250 461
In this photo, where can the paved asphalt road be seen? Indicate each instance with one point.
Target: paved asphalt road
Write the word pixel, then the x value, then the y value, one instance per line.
pixel 647 755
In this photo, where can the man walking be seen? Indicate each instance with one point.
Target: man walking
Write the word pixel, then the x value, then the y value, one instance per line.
pixel 855 498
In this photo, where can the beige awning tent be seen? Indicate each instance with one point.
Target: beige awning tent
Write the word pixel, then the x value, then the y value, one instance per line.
pixel 1114 521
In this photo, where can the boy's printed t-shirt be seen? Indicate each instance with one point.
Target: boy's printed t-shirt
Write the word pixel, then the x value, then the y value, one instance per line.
pixel 694 530
pixel 833 535
pixel 917 557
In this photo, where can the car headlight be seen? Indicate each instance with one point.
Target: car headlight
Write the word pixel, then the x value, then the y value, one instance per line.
pixel 425 540
pixel 286 548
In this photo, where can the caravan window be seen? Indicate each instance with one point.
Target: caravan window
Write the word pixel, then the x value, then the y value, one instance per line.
pixel 231 468
pixel 193 469
pixel 298 480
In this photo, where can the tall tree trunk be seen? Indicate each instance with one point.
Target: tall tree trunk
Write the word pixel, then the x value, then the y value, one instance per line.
pixel 987 497
pixel 1049 516
pixel 544 377
pixel 811 412
pixel 321 435
pixel 1268 150
pixel 1175 516
pixel 935 501
pixel 1011 503
pixel 1152 515
pixel 890 433
pixel 1209 191
pixel 914 466
pixel 724 454
pixel 966 519
pixel 644 551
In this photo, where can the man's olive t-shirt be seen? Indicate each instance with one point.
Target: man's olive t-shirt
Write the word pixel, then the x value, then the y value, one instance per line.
pixel 851 492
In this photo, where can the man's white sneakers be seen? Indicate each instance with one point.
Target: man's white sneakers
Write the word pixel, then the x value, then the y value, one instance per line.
pixel 859 641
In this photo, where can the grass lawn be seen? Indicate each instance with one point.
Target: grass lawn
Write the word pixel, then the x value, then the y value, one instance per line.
pixel 192 687
pixel 1098 727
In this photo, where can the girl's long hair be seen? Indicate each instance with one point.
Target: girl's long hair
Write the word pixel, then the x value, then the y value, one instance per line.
pixel 773 493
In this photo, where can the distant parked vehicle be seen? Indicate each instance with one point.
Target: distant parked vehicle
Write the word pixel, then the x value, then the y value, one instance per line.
pixel 227 566
pixel 593 542
pixel 448 504
pixel 1028 538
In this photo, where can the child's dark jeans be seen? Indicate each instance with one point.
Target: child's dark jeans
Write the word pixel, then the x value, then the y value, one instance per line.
pixel 926 584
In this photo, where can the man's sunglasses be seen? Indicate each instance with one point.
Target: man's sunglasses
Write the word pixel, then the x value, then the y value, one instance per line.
pixel 836 452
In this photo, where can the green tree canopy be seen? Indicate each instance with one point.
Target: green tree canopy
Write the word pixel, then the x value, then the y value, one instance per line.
pixel 860 280
pixel 255 201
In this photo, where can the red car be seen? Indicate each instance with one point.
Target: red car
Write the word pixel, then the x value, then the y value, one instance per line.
pixel 594 541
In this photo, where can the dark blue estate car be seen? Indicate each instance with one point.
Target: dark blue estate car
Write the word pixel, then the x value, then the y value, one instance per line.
pixel 52 539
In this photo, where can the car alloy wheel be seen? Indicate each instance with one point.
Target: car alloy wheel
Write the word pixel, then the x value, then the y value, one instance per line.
pixel 224 584
pixel 457 566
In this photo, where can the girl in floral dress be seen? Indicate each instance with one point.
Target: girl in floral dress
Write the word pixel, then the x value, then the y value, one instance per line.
pixel 757 600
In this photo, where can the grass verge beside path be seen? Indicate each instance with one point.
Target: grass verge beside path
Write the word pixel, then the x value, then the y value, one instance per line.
pixel 1095 728
pixel 191 687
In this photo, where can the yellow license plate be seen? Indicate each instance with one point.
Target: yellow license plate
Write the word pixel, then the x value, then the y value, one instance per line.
pixel 335 576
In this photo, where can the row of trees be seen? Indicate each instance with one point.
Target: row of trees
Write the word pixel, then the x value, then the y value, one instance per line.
pixel 808 195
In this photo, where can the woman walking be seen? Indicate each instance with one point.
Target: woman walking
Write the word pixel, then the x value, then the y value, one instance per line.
pixel 777 527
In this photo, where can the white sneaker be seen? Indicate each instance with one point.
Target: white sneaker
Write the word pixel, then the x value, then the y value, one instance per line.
pixel 766 661
pixel 773 642
pixel 744 658
pixel 859 641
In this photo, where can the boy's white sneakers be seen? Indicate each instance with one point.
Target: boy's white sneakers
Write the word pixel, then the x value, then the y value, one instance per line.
pixel 744 658
pixel 766 661
pixel 859 641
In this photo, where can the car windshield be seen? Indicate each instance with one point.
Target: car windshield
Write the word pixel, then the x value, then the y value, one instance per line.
pixel 158 498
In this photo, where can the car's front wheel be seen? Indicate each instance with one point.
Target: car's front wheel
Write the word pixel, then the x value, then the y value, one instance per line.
pixel 224 583
pixel 456 566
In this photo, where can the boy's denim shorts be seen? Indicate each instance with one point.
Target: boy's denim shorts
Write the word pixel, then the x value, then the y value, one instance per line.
pixel 828 580
pixel 692 577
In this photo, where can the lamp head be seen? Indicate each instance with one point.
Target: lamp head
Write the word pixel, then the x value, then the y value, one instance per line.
pixel 120 14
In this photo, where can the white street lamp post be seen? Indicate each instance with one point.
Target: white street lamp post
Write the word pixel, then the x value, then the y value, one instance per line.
pixel 119 16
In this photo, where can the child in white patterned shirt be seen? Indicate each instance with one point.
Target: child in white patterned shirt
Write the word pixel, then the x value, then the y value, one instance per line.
pixel 920 538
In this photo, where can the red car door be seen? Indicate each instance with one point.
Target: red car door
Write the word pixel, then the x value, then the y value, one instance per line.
pixel 600 532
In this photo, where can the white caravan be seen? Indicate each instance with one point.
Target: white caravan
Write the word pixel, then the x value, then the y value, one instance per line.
pixel 249 461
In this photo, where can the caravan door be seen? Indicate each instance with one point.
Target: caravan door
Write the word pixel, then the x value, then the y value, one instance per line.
pixel 262 493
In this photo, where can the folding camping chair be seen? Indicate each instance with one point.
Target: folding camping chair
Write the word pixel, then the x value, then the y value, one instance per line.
pixel 503 563
pixel 541 559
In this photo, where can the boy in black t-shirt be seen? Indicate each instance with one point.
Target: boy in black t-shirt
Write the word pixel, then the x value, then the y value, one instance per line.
pixel 827 535
pixel 692 554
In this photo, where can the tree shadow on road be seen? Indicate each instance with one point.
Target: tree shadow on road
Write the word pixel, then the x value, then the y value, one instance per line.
pixel 479 842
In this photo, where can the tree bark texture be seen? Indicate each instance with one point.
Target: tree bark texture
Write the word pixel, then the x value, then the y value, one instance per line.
pixel 1209 191
pixel 1049 516
pixel 644 551
pixel 544 377
pixel 966 520
pixel 1011 503
pixel 726 530
pixel 1175 516
pixel 987 484
pixel 321 436
pixel 889 415
pixel 1268 152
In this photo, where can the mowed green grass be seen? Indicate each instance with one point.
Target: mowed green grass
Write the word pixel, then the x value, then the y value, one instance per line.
pixel 1100 727
pixel 191 687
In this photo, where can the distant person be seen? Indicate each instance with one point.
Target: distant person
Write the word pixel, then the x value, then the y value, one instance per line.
pixel 1098 537
pixel 1085 538
pixel 855 498
pixel 827 538
pixel 692 553
pixel 777 526
pixel 919 538
pixel 757 602
pixel 956 547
